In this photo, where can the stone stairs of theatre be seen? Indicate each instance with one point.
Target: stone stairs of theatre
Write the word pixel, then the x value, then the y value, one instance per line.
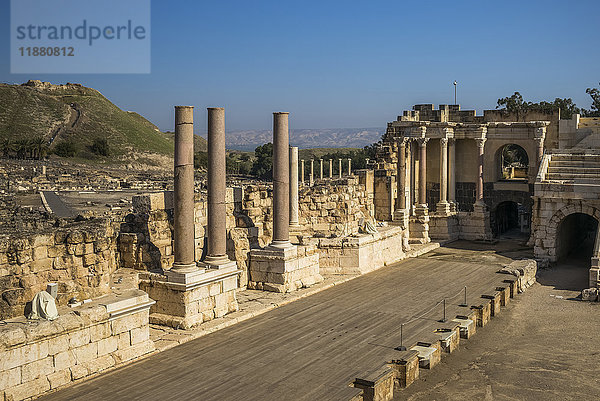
pixel 577 168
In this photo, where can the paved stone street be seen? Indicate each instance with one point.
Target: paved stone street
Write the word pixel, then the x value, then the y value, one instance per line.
pixel 314 347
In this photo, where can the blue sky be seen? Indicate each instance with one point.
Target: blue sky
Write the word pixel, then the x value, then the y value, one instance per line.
pixel 345 64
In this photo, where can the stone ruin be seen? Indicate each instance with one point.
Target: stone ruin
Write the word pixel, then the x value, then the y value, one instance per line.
pixel 180 257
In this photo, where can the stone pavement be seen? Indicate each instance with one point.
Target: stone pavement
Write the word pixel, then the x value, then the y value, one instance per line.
pixel 254 302
pixel 309 349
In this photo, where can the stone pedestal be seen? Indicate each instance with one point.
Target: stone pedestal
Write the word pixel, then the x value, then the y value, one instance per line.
pixel 284 270
pixel 475 225
pixel 419 225
pixel 443 227
pixel 184 305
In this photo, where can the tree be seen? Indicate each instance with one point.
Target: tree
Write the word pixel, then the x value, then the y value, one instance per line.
pixel 100 147
pixel 39 147
pixel 7 146
pixel 516 104
pixel 263 164
pixel 594 111
pixel 65 149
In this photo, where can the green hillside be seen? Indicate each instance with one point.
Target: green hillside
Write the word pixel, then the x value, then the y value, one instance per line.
pixel 76 114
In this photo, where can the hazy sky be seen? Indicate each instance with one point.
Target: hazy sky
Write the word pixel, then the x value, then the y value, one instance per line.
pixel 342 64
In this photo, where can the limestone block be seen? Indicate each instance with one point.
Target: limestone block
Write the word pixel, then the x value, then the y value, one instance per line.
pixel 108 345
pixel 79 338
pixel 10 378
pixel 124 340
pixel 129 322
pixel 139 335
pixel 64 360
pixel 58 344
pixel 135 351
pixel 36 369
pixel 99 364
pixel 86 352
pixel 59 379
pixel 406 368
pixel 78 372
pixel 27 390
pixel 11 335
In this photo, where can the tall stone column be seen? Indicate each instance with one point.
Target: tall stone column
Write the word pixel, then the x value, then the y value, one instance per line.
pixel 293 186
pixel 340 170
pixel 480 146
pixel 423 171
pixel 419 226
pixel 281 181
pixel 302 171
pixel 540 136
pixel 217 213
pixel 349 166
pixel 321 169
pixel 183 221
pixel 312 172
pixel 452 174
pixel 443 207
pixel 400 209
pixel 330 169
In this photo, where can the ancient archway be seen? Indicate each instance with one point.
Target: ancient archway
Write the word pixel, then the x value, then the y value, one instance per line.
pixel 506 219
pixel 575 239
pixel 512 162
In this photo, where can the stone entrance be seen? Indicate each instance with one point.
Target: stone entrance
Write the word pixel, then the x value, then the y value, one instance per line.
pixel 575 238
pixel 506 218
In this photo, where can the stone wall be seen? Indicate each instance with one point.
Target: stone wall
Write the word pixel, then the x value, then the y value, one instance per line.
pixel 79 257
pixel 146 239
pixel 362 253
pixel 335 208
pixel 39 356
pixel 332 208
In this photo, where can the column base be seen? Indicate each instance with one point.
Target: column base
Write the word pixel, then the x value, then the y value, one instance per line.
pixel 443 208
pixel 277 244
pixel 198 297
pixel 594 276
pixel 186 277
pixel 284 269
pixel 475 225
pixel 419 225
pixel 216 262
pixel 401 217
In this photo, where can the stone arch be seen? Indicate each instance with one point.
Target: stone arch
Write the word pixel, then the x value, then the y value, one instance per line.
pixel 498 161
pixel 553 223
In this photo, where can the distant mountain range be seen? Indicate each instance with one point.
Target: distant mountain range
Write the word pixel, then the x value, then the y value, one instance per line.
pixel 307 138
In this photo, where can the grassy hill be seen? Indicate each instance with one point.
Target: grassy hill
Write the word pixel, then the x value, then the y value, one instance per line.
pixel 74 113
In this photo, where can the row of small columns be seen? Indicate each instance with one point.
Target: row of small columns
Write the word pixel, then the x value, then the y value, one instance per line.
pixel 447 173
pixel 321 175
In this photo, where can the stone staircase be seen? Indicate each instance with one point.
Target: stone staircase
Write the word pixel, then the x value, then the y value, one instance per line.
pixel 574 168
